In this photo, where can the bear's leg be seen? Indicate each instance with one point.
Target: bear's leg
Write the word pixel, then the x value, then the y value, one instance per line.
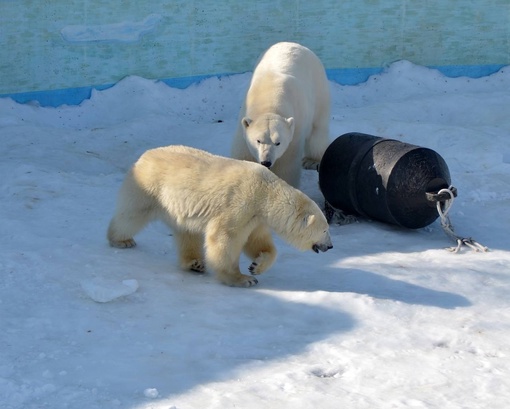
pixel 223 249
pixel 190 250
pixel 134 211
pixel 288 169
pixel 315 146
pixel 124 226
pixel 260 249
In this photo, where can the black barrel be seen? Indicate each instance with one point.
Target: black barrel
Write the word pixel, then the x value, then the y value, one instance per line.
pixel 383 179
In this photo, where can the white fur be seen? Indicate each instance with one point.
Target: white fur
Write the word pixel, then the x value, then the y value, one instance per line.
pixel 284 120
pixel 225 205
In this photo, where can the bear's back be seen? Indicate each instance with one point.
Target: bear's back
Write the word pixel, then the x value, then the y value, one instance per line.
pixel 289 59
pixel 183 167
pixel 194 186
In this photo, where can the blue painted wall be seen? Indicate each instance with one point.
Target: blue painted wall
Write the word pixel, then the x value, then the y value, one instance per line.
pixel 68 46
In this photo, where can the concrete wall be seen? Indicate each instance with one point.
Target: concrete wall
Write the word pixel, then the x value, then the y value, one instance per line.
pixel 50 45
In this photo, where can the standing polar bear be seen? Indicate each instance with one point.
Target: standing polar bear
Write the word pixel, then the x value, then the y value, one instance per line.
pixel 284 120
pixel 226 204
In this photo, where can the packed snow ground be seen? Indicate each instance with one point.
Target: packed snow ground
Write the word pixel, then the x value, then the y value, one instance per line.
pixel 386 319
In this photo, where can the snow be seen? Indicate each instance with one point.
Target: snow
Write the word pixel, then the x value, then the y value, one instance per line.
pixel 386 319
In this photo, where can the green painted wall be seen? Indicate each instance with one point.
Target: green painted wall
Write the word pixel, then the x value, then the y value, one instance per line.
pixel 58 44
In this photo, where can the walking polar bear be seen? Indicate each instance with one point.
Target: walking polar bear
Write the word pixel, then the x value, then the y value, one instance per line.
pixel 284 120
pixel 225 204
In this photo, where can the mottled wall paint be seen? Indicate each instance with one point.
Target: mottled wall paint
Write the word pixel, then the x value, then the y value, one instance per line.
pixel 59 44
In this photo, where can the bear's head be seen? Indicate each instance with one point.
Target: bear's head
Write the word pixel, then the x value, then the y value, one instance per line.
pixel 268 137
pixel 305 227
pixel 316 233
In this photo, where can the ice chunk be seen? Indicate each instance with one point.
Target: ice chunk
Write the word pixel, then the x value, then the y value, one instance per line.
pixel 151 393
pixel 103 290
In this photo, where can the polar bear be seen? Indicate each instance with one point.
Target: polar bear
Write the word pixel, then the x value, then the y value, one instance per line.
pixel 225 205
pixel 284 121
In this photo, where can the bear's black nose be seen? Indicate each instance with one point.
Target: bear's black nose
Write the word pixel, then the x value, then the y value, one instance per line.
pixel 266 163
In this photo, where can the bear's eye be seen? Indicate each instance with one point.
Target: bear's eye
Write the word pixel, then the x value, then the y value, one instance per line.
pixel 258 141
pixel 277 143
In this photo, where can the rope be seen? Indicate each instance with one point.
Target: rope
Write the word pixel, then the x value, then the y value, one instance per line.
pixel 443 208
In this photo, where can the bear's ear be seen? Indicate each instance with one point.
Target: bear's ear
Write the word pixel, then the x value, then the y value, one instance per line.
pixel 246 122
pixel 308 220
pixel 290 122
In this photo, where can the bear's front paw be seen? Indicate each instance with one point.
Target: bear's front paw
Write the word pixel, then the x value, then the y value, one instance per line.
pixel 123 244
pixel 310 164
pixel 245 281
pixel 238 280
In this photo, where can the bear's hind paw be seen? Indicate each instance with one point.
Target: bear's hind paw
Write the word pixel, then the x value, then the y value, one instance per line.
pixel 256 268
pixel 253 268
pixel 123 244
pixel 262 262
pixel 197 266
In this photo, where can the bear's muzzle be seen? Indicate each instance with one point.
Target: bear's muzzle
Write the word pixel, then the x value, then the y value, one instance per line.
pixel 321 247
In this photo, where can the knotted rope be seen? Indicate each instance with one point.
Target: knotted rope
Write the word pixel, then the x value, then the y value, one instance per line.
pixel 443 207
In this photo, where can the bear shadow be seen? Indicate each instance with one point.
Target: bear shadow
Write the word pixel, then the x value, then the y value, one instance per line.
pixel 201 332
pixel 342 280
pixel 204 332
